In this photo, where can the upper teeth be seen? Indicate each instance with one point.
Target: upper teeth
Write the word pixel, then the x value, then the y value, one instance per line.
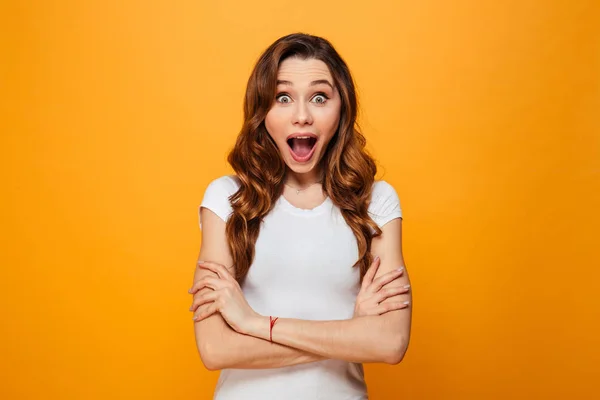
pixel 302 137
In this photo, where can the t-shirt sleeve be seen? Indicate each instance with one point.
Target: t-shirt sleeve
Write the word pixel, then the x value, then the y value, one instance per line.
pixel 216 197
pixel 385 204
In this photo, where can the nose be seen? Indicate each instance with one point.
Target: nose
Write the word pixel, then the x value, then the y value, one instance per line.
pixel 302 115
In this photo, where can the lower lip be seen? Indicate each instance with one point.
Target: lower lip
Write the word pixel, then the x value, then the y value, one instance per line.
pixel 306 157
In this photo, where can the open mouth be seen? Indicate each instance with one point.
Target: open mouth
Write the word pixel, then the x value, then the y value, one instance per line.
pixel 302 147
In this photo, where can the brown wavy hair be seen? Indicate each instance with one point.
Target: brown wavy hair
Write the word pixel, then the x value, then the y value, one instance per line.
pixel 348 170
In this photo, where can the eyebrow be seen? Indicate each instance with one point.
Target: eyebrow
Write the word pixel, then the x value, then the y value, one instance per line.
pixel 313 83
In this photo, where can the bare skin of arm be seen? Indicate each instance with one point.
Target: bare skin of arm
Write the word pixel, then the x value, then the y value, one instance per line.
pixel 379 338
pixel 219 345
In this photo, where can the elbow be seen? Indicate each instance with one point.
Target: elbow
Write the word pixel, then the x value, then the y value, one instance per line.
pixel 209 357
pixel 209 342
pixel 395 350
pixel 210 364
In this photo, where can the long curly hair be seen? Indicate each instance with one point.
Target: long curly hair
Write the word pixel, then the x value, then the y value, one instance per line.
pixel 348 170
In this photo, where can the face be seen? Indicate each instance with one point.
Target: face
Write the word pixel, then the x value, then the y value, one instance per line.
pixel 305 113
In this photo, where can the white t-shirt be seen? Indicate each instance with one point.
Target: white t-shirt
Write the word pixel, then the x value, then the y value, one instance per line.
pixel 302 269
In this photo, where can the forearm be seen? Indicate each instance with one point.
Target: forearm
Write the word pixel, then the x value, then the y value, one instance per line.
pixel 361 340
pixel 230 349
pixel 219 345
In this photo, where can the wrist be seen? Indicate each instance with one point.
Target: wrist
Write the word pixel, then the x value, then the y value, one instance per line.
pixel 259 327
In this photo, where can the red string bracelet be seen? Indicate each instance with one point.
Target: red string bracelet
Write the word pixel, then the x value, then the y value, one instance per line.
pixel 271 323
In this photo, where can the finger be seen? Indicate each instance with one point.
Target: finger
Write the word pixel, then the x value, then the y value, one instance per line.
pixel 207 281
pixel 370 274
pixel 210 310
pixel 218 269
pixel 203 299
pixel 392 306
pixel 390 292
pixel 385 279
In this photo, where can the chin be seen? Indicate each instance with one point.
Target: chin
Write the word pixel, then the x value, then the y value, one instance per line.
pixel 300 169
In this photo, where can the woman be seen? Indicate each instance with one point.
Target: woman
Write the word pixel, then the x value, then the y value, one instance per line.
pixel 278 302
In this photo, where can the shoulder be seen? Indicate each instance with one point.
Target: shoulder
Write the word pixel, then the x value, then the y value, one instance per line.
pixel 217 195
pixel 382 189
pixel 225 185
pixel 385 203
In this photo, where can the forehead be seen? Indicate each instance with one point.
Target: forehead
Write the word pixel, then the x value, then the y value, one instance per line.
pixel 298 70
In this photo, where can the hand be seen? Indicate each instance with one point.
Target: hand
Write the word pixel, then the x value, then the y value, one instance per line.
pixel 372 293
pixel 226 297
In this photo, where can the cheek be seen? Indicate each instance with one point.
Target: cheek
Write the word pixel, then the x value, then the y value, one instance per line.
pixel 328 121
pixel 274 122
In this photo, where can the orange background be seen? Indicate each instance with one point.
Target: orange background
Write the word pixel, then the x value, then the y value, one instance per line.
pixel 485 116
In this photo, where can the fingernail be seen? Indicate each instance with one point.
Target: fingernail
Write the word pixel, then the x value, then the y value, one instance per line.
pixel 189 290
pixel 200 262
pixel 400 269
pixel 406 286
pixel 376 258
pixel 406 302
pixel 194 317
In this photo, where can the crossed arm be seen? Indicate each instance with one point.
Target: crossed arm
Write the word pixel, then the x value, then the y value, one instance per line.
pixel 379 338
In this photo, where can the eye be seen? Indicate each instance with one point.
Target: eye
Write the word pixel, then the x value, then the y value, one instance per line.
pixel 283 98
pixel 320 98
